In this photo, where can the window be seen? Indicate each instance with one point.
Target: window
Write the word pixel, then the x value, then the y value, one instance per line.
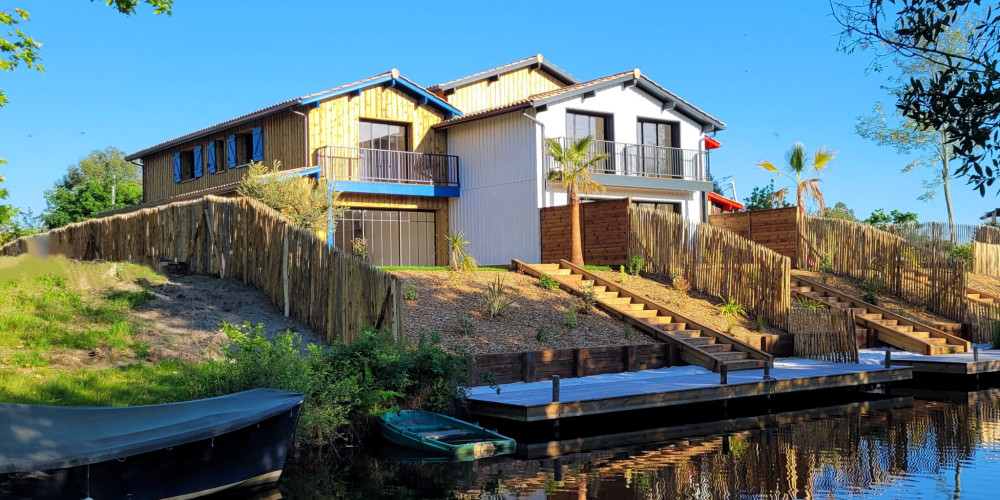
pixel 658 155
pixel 662 206
pixel 579 125
pixel 394 237
pixel 382 135
pixel 652 133
pixel 187 165
pixel 215 156
pixel 244 147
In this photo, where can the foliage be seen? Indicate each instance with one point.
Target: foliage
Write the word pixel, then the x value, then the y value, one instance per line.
pixel 762 198
pixel 461 259
pixel 466 326
pixel 840 211
pixel 812 305
pixel 878 218
pixel 622 276
pixel 797 165
pixel 965 253
pixel 960 89
pixel 359 248
pixel 825 267
pixel 298 198
pixel 573 165
pixel 587 300
pixel 497 298
pixel 759 324
pixel 873 287
pixel 6 211
pixel 732 311
pixel 102 181
pixel 410 290
pixel 679 282
pixel 22 224
pixel 542 332
pixel 635 265
pixel 547 282
pixel 716 187
pixel 570 319
pixel 628 331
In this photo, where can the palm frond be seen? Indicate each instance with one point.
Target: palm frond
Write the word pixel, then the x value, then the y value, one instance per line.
pixel 766 165
pixel 797 157
pixel 822 157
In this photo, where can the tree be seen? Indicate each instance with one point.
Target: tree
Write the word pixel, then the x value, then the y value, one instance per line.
pixel 961 92
pixel 762 198
pixel 840 211
pixel 880 219
pixel 6 211
pixel 797 165
pixel 298 198
pixel 23 224
pixel 574 162
pixel 100 182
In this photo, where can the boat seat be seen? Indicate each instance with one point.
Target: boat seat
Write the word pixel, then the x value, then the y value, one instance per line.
pixel 442 433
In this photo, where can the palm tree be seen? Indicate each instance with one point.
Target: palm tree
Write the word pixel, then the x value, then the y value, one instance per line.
pixel 798 165
pixel 574 162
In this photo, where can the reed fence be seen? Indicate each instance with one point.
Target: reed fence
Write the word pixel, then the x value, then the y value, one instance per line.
pixel 714 261
pixel 823 334
pixel 332 292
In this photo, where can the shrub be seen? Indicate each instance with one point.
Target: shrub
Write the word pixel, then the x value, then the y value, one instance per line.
pixel 298 198
pixel 810 304
pixel 635 265
pixel 542 333
pixel 466 326
pixel 570 320
pixel 732 311
pixel 461 259
pixel 825 267
pixel 359 248
pixel 587 301
pixel 410 291
pixel 679 282
pixel 547 282
pixel 965 253
pixel 497 299
pixel 873 287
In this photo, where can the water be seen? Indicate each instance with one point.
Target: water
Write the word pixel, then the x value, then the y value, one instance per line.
pixel 886 448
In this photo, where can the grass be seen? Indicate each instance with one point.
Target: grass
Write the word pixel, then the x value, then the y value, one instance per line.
pixel 598 268
pixel 439 268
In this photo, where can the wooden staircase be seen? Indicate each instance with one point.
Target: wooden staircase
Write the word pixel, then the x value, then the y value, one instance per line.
pixel 983 297
pixel 890 328
pixel 697 344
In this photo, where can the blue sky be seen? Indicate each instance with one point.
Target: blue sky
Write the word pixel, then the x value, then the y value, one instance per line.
pixel 770 70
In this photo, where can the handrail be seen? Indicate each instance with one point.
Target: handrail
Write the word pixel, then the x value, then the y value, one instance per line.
pixel 646 161
pixel 382 165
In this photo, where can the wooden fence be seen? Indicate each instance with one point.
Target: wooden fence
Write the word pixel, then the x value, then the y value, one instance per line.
pixel 823 334
pixel 982 241
pixel 714 261
pixel 533 366
pixel 776 229
pixel 332 292
pixel 604 229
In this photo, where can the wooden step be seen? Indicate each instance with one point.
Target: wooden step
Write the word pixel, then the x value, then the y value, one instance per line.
pixel 646 313
pixel 871 316
pixel 730 356
pixel 667 327
pixel 919 335
pixel 618 301
pixel 587 283
pixel 714 348
pixel 973 296
pixel 744 364
pixel 936 341
pixel 546 267
pixel 659 320
pixel 562 272
pixel 635 306
pixel 685 334
pixel 599 289
pixel 606 295
pixel 700 341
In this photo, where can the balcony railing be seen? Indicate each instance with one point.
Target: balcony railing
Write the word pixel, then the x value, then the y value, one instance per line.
pixel 646 161
pixel 380 165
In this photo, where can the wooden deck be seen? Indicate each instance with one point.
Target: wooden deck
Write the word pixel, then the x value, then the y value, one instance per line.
pixel 952 364
pixel 532 402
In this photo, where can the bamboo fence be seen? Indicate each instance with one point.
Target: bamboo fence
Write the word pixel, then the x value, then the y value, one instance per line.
pixel 332 292
pixel 823 334
pixel 714 261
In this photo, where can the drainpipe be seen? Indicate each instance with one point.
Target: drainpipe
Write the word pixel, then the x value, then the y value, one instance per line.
pixel 305 141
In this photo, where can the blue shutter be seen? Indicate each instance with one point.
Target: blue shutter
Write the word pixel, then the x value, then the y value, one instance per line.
pixel 198 170
pixel 231 151
pixel 258 144
pixel 211 157
pixel 177 167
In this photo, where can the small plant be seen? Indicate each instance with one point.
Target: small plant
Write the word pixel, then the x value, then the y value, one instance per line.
pixel 628 331
pixel 732 311
pixel 466 326
pixel 965 253
pixel 760 325
pixel 542 332
pixel 587 301
pixel 410 291
pixel 622 276
pixel 873 287
pixel 812 305
pixel 497 299
pixel 461 259
pixel 635 265
pixel 825 268
pixel 679 282
pixel 570 320
pixel 491 380
pixel 360 248
pixel 547 282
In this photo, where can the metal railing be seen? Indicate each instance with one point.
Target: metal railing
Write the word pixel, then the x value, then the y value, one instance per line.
pixel 646 161
pixel 381 165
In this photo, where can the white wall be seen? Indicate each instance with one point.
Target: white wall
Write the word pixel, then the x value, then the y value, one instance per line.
pixel 498 206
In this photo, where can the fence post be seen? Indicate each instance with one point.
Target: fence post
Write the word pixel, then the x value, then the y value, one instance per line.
pixel 975 352
pixel 555 388
pixel 723 374
pixel 284 267
pixel 888 358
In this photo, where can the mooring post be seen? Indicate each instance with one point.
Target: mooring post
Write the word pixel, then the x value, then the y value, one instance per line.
pixel 975 352
pixel 723 374
pixel 888 358
pixel 555 388
pixel 767 370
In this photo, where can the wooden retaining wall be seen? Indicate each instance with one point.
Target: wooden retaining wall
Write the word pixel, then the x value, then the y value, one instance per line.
pixel 776 229
pixel 823 333
pixel 603 224
pixel 567 363
pixel 332 292
pixel 715 261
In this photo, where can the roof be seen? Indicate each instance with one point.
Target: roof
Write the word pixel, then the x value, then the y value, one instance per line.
pixel 725 202
pixel 391 78
pixel 536 60
pixel 991 214
pixel 562 94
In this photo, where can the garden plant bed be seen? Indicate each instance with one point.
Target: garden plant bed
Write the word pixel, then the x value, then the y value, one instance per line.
pixel 444 298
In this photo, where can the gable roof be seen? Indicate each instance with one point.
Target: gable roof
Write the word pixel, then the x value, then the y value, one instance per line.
pixel 536 60
pixel 391 78
pixel 634 77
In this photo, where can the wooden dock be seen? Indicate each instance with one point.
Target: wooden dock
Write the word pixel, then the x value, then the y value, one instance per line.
pixel 951 364
pixel 599 394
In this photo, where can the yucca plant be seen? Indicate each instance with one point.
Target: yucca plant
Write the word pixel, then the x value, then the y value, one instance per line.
pixel 732 311
pixel 497 299
pixel 461 259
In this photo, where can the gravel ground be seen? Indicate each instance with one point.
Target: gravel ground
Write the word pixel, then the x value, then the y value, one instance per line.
pixel 443 299
pixel 853 287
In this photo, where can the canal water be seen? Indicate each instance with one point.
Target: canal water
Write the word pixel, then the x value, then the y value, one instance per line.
pixel 888 446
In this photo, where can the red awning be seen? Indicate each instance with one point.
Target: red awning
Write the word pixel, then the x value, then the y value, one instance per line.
pixel 726 204
pixel 711 143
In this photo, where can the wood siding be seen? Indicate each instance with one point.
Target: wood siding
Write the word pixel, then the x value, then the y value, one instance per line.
pixel 776 229
pixel 510 87
pixel 283 141
pixel 389 202
pixel 605 228
pixel 335 121
pixel 533 366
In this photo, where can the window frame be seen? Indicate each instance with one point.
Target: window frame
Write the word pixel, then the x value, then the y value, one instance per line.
pixel 187 165
pixel 609 124
pixel 406 126
pixel 675 131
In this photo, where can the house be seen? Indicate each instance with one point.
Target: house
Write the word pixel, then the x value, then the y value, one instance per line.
pixel 412 163
pixel 722 205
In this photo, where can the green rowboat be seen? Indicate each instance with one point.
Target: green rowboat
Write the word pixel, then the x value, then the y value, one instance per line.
pixel 442 435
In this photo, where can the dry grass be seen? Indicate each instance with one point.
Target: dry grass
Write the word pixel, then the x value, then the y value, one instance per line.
pixel 444 298
pixel 854 288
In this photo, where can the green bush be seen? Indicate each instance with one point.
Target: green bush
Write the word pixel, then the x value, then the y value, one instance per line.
pixel 298 198
pixel 732 311
pixel 547 282
pixel 466 326
pixel 570 320
pixel 410 291
pixel 965 253
pixel 587 301
pixel 542 333
pixel 635 265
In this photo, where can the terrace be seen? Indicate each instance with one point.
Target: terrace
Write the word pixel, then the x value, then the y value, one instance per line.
pixel 383 171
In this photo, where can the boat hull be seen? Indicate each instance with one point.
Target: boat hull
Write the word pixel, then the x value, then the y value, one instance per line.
pixel 418 430
pixel 244 458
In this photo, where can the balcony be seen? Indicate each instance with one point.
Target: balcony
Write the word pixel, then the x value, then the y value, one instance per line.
pixel 379 171
pixel 666 168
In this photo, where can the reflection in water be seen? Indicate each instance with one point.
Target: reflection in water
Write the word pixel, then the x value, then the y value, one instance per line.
pixel 933 450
